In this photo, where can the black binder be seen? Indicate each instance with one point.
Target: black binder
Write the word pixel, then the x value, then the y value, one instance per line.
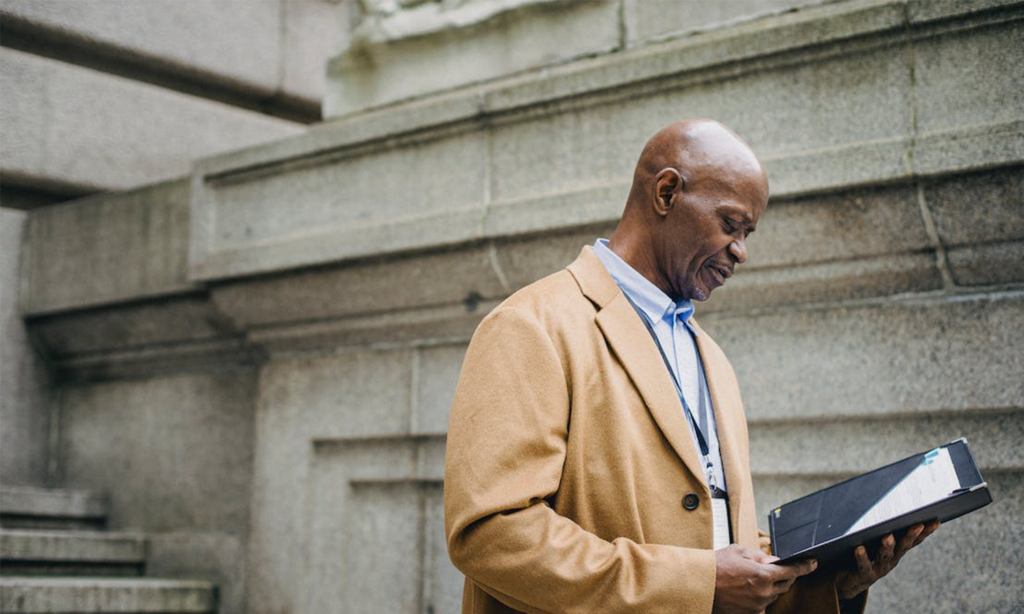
pixel 819 525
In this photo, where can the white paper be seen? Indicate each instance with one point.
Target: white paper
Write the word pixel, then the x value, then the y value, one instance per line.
pixel 720 519
pixel 931 481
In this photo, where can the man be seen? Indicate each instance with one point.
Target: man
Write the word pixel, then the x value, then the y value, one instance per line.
pixel 597 454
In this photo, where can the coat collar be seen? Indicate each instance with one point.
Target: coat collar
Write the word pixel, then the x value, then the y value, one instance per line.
pixel 631 342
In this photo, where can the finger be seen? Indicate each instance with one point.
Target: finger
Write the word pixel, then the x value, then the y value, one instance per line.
pixel 864 567
pixel 909 539
pixel 790 571
pixel 764 559
pixel 886 553
pixel 803 568
pixel 930 528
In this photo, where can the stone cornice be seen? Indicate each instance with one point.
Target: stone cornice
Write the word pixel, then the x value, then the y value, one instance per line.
pixel 785 43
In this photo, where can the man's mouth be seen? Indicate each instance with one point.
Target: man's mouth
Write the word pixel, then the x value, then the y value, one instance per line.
pixel 720 271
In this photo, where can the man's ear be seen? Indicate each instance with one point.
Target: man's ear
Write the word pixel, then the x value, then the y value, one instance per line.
pixel 667 184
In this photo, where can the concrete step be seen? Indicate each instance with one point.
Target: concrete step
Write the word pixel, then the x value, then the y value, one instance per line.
pixel 27 595
pixel 51 508
pixel 28 552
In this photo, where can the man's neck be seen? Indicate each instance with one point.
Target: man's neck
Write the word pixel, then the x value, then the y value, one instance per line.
pixel 641 258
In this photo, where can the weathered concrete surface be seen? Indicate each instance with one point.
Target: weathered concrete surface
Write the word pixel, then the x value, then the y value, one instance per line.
pixel 73 128
pixel 838 104
pixel 435 46
pixel 347 268
pixel 77 252
pixel 274 49
pixel 647 20
pixel 890 357
pixel 71 546
pixel 127 595
pixel 24 380
pixel 175 453
pixel 63 503
pixel 344 434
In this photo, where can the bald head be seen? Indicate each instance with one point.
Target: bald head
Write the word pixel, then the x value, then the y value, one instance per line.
pixel 698 191
pixel 697 149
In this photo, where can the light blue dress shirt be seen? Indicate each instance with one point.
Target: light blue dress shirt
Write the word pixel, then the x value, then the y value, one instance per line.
pixel 671 323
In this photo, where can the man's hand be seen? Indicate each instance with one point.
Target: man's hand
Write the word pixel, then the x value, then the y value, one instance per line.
pixel 746 581
pixel 851 583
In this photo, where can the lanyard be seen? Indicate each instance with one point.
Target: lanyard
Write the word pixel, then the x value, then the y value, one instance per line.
pixel 698 429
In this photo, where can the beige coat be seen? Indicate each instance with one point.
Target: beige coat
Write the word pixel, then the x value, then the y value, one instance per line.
pixel 569 456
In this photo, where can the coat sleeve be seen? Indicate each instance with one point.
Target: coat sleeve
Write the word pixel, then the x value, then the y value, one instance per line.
pixel 505 452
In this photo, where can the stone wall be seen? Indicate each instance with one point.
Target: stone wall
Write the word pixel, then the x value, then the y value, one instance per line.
pixel 318 293
pixel 112 94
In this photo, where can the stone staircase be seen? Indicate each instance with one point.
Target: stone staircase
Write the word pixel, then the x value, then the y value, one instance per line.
pixel 57 557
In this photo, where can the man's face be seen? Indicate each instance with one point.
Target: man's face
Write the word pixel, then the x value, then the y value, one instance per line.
pixel 705 231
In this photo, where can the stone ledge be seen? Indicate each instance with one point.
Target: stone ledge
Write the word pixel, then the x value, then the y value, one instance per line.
pixel 506 124
pixel 72 249
pixel 56 117
pixel 253 60
pixel 855 446
pixel 52 502
pixel 71 546
pixel 102 595
pixel 414 51
pixel 579 81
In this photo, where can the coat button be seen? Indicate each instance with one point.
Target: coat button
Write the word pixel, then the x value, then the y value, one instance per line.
pixel 691 501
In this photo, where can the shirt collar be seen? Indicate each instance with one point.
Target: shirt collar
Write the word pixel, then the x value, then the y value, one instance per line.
pixel 655 304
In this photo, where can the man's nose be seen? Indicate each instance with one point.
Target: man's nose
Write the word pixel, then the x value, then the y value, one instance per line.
pixel 739 250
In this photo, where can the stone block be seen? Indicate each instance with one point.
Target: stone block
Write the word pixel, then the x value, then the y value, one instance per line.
pixel 660 19
pixel 985 63
pixel 218 557
pixel 421 325
pixel 830 282
pixel 27 595
pixel 359 394
pixel 832 86
pixel 841 226
pixel 995 263
pixel 173 452
pixel 68 504
pixel 416 281
pixel 348 204
pixel 383 569
pixel 71 546
pixel 197 39
pixel 167 321
pixel 822 110
pixel 24 377
pixel 301 400
pixel 846 446
pixel 312 31
pixel 443 583
pixel 66 127
pixel 412 53
pixel 370 500
pixel 437 373
pixel 895 357
pixel 525 260
pixel 978 208
pixel 978 218
pixel 109 248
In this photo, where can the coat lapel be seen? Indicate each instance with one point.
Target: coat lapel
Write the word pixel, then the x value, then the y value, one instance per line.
pixel 725 417
pixel 631 342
